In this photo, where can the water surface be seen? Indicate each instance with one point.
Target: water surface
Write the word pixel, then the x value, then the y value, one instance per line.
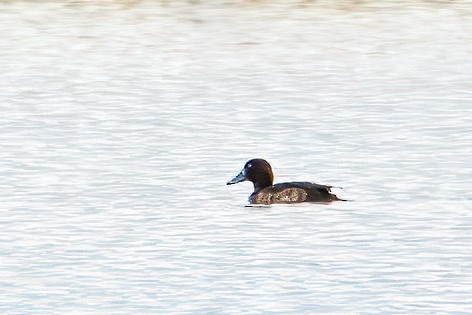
pixel 122 121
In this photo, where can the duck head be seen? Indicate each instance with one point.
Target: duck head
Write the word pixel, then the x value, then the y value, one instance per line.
pixel 257 171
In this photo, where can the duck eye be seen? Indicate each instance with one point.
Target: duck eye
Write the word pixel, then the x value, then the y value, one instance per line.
pixel 249 165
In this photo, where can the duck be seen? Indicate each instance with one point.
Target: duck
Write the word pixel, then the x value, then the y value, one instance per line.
pixel 259 172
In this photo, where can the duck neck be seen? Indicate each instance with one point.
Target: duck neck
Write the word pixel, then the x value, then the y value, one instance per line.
pixel 262 184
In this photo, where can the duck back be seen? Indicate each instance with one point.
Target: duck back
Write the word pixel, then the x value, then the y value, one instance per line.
pixel 293 192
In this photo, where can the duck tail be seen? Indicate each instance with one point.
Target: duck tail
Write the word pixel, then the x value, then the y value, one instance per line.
pixel 336 198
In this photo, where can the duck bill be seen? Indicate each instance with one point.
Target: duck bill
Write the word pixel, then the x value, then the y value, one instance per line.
pixel 241 177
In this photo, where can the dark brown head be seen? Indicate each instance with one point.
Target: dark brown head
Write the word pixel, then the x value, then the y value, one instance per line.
pixel 257 171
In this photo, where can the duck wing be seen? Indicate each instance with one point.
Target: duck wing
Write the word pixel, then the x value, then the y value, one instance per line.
pixel 293 192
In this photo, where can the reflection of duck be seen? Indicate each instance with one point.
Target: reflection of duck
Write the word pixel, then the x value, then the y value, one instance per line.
pixel 259 172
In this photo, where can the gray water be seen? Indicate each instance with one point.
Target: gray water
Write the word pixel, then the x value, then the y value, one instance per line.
pixel 122 121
